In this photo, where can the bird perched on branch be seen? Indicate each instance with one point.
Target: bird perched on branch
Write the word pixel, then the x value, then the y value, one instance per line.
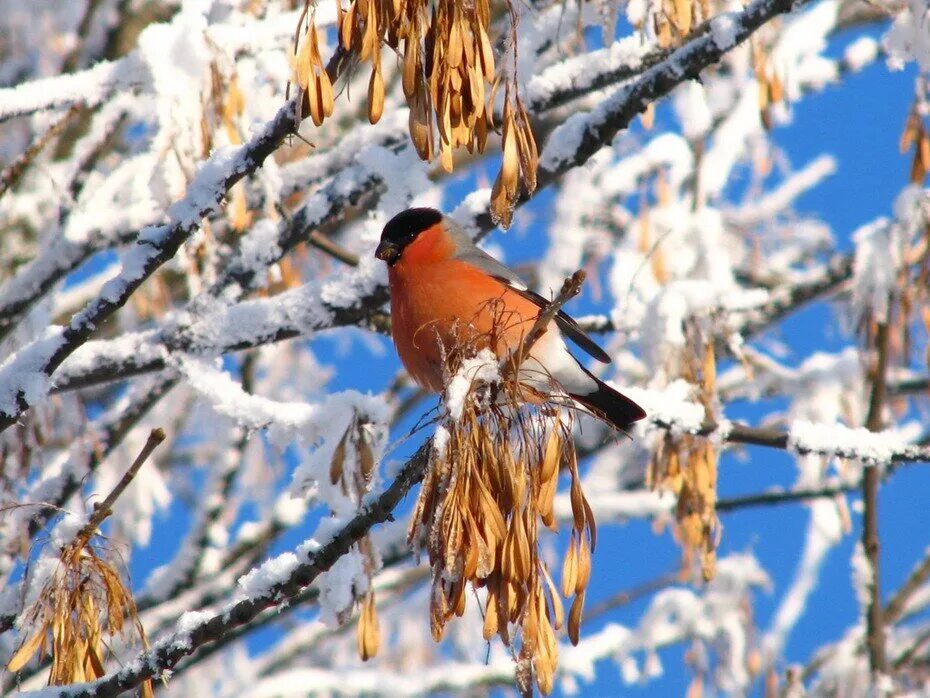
pixel 446 293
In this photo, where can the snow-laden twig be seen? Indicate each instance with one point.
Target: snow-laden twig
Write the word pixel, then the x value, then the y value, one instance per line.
pixel 24 377
pixel 89 88
pixel 570 146
pixel 672 410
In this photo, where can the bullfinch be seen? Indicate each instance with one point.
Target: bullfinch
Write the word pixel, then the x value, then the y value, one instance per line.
pixel 445 291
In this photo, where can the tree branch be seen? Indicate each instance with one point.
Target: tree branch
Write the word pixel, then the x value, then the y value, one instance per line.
pixel 875 624
pixel 169 651
pixel 154 247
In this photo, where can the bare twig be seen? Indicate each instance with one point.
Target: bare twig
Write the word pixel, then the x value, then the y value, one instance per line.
pixel 875 626
pixel 571 287
pixel 12 173
pixel 103 509
pixel 770 437
pixel 895 607
pixel 782 497
pixel 628 596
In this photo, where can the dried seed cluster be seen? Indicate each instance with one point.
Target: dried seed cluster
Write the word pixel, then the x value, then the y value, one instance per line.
pixel 676 18
pixel 449 79
pixel 79 610
pixel 352 468
pixel 771 89
pixel 311 77
pixel 915 136
pixel 687 466
pixel 484 496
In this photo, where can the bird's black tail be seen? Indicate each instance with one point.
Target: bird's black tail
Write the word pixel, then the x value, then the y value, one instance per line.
pixel 609 405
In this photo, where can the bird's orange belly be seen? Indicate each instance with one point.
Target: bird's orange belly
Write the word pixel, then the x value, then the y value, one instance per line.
pixel 451 308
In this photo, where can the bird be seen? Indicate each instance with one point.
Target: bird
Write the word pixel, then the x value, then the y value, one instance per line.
pixel 445 292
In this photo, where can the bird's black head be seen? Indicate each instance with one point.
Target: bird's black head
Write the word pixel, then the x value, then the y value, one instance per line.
pixel 403 229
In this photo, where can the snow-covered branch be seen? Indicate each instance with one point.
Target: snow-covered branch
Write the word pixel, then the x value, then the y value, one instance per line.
pixel 272 585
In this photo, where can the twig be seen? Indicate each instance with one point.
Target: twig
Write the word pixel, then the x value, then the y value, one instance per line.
pixel 894 609
pixel 113 430
pixel 83 29
pixel 571 287
pixel 15 170
pixel 782 497
pixel 630 595
pixel 321 242
pixel 905 657
pixel 103 509
pixel 769 437
pixel 875 627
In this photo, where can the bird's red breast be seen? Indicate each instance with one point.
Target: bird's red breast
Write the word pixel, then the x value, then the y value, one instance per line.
pixel 439 303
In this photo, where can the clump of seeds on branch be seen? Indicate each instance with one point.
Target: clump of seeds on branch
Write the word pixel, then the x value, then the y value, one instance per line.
pixel 490 485
pixel 686 465
pixel 450 80
pixel 352 469
pixel 84 604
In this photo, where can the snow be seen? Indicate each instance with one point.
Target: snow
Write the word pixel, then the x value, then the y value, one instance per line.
pixel 23 376
pixel 724 29
pixel 878 258
pixel 259 582
pixel 875 448
pixel 861 53
pixel 480 369
pixel 190 621
pixel 578 72
pixel 673 406
pixel 440 439
pixel 89 87
pixel 908 39
pixel 692 110
pixel 863 577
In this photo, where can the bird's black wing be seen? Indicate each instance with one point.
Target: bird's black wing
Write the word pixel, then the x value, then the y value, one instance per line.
pixel 563 320
pixel 476 257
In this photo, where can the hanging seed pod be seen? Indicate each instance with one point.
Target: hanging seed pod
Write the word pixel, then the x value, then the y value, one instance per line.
pixel 491 621
pixel 337 462
pixel 366 459
pixel 648 117
pixel 558 611
pixel 683 16
pixel 921 162
pixel 528 157
pixel 583 566
pixel 510 165
pixel 303 64
pixel 574 619
pixel 776 89
pixel 325 89
pixel 911 132
pixel 368 631
pixel 375 97
pixel 411 68
pixel 570 569
pixel 347 27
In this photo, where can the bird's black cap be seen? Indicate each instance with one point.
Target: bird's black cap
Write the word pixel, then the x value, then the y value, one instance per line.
pixel 403 229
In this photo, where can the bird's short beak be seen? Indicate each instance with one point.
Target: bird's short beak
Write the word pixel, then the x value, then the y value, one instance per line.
pixel 387 252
